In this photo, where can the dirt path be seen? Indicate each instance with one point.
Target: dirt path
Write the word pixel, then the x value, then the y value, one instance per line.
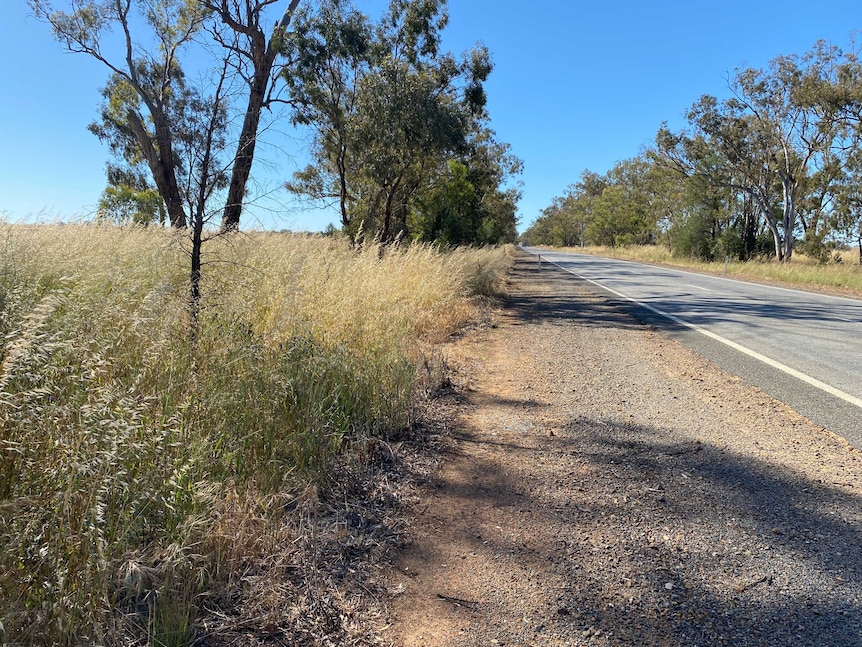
pixel 608 487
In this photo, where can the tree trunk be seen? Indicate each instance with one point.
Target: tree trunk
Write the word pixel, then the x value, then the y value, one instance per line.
pixel 788 248
pixel 789 187
pixel 246 146
pixel 387 218
pixel 161 163
pixel 195 275
pixel 750 239
pixel 766 213
pixel 385 229
pixel 342 184
pixel 263 57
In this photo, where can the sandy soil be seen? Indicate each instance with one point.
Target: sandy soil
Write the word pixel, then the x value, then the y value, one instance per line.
pixel 605 486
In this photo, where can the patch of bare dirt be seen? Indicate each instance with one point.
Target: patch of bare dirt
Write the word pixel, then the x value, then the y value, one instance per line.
pixel 605 486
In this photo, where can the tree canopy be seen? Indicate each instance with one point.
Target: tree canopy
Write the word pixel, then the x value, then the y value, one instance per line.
pixel 177 129
pixel 400 136
pixel 400 133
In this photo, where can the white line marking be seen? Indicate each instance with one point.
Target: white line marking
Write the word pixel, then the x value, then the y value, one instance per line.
pixel 732 344
pixel 698 287
pixel 703 275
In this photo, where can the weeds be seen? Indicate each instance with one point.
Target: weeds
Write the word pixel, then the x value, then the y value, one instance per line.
pixel 141 470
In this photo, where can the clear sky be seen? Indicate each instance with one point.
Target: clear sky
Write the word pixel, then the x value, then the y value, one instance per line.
pixel 576 85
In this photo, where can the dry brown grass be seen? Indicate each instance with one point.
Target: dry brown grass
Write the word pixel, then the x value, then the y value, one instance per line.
pixel 148 476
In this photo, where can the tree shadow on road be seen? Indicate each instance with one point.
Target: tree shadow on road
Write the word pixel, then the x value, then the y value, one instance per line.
pixel 724 548
pixel 549 294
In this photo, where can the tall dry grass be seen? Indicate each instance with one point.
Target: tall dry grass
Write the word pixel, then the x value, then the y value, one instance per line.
pixel 141 465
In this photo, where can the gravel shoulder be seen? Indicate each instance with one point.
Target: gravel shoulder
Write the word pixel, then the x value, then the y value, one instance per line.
pixel 605 486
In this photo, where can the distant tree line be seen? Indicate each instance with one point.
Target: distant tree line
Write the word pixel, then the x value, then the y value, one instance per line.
pixel 775 167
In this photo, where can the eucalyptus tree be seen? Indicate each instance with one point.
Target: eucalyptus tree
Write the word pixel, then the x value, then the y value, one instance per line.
pixel 578 207
pixel 764 141
pixel 328 53
pixel 159 115
pixel 639 184
pixel 469 202
pixel 554 226
pixel 632 204
pixel 572 213
pixel 130 198
pixel 565 222
pixel 388 112
pixel 491 168
pixel 834 90
pixel 405 127
pixel 140 105
pixel 618 208
pixel 176 120
pixel 252 51
pixel 843 91
pixel 561 224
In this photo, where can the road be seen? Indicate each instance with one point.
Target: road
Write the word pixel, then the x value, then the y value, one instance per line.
pixel 802 348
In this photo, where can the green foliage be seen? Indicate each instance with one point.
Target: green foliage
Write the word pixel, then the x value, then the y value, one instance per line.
pixel 390 115
pixel 778 162
pixel 156 119
pixel 782 147
pixel 124 204
pixel 620 208
pixel 445 213
pixel 198 139
pixel 693 237
pixel 466 206
pixel 152 117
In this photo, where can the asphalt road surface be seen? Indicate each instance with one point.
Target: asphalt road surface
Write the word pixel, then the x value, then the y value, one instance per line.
pixel 802 348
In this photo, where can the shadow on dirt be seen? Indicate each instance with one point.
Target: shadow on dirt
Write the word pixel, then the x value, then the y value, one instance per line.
pixel 697 546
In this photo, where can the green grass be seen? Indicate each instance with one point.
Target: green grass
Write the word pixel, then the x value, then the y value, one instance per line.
pixel 844 276
pixel 141 466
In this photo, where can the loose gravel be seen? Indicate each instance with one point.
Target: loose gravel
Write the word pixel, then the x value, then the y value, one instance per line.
pixel 606 486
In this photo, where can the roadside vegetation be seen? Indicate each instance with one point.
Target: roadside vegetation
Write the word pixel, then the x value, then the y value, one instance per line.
pixel 145 462
pixel 174 392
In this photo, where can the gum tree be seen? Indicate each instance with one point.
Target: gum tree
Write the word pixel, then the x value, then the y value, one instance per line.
pixel 177 125
pixel 240 31
pixel 393 120
pixel 766 142
pixel 153 104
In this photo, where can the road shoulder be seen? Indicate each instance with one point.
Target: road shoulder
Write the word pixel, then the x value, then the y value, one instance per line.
pixel 608 487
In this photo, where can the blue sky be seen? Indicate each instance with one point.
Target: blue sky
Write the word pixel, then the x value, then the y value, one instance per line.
pixel 576 85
